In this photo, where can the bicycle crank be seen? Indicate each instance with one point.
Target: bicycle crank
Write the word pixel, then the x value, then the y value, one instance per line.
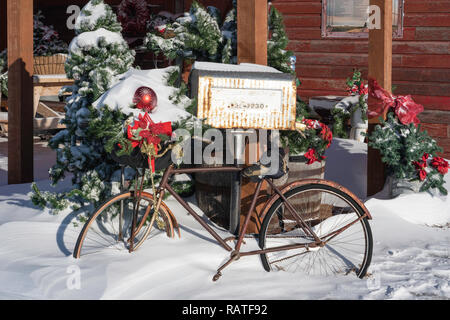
pixel 234 256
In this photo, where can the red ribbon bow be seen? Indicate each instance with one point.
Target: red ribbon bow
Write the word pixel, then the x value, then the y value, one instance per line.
pixel 404 106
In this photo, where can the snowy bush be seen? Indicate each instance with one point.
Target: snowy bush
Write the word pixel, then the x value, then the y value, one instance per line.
pixel 97 55
pixel 409 153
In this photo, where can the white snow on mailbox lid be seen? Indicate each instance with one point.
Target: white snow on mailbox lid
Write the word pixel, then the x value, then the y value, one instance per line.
pixel 244 96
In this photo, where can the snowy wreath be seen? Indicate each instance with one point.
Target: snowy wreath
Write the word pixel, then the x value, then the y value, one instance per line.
pixel 133 15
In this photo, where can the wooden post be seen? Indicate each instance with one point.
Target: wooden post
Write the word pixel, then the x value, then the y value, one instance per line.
pixel 252 31
pixel 20 91
pixel 380 68
pixel 252 48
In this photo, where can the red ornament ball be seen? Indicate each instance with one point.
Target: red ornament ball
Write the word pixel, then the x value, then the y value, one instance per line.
pixel 145 98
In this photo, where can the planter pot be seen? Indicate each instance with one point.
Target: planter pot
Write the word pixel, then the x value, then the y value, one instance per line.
pixel 402 186
pixel 300 170
pixel 50 64
pixel 358 126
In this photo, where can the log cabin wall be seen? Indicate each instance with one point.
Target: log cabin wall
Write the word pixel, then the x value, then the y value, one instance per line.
pixel 421 59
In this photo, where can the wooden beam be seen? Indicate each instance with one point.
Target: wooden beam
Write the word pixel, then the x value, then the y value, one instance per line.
pixel 252 31
pixel 380 68
pixel 20 91
pixel 380 46
pixel 252 48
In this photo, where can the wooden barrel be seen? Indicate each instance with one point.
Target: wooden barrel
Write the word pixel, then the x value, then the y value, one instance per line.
pixel 213 191
pixel 300 170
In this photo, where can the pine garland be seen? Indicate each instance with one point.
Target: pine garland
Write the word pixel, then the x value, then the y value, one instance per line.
pixel 105 18
pixel 340 122
pixel 355 87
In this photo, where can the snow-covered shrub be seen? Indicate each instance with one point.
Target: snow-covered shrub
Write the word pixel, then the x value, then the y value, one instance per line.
pixel 97 55
pixel 409 153
pixel 201 35
pixel 197 36
pixel 277 55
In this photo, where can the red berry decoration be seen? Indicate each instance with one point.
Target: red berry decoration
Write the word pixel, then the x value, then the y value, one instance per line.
pixel 145 99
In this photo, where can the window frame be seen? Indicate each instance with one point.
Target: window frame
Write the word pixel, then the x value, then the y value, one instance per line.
pixel 397 32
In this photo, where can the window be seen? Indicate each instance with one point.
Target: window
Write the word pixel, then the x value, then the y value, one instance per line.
pixel 348 18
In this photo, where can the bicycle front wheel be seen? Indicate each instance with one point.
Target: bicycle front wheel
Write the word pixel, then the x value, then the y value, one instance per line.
pixel 334 216
pixel 109 228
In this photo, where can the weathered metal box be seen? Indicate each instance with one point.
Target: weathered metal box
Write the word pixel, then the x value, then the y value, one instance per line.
pixel 244 96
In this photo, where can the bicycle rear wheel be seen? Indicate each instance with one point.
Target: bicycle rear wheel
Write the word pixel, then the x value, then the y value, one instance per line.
pixel 334 216
pixel 109 228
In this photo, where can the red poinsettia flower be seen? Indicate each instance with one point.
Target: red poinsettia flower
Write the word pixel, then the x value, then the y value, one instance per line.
pixel 420 167
pixel 150 137
pixel 312 124
pixel 440 164
pixel 311 156
pixel 326 134
pixel 422 174
pixel 144 129
pixel 363 90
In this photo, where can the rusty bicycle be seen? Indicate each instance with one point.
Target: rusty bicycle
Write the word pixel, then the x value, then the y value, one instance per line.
pixel 312 226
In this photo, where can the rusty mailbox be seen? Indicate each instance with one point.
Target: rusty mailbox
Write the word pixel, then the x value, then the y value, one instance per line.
pixel 244 96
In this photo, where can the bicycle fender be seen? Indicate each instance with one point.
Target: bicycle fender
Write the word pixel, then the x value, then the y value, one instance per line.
pixel 300 183
pixel 174 220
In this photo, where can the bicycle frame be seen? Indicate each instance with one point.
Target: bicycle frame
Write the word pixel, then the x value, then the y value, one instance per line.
pixel 164 185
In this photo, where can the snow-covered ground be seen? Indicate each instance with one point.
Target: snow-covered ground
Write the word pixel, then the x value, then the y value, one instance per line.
pixel 410 259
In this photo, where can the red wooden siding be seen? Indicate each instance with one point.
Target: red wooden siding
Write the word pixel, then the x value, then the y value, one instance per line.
pixel 421 58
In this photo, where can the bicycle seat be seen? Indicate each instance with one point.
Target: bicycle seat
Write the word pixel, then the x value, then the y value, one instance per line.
pixel 260 171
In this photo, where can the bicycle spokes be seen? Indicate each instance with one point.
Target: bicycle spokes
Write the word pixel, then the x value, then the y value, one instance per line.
pixel 336 222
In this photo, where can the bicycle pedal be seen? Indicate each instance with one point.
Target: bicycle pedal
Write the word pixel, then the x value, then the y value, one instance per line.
pixel 216 276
